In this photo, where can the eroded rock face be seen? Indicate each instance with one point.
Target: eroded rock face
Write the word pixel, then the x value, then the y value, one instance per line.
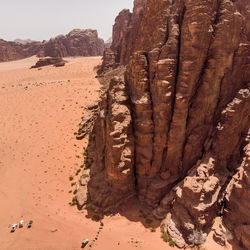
pixel 112 175
pixel 237 204
pixel 14 50
pixel 76 43
pixel 187 86
pixel 124 37
pixel 196 202
pixel 108 62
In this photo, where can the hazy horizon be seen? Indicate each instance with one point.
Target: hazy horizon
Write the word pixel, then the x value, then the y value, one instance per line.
pixel 39 21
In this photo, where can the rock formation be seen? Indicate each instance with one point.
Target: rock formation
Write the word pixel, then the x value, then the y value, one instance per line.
pixel 237 205
pixel 125 33
pixel 172 129
pixel 14 50
pixel 56 61
pixel 76 43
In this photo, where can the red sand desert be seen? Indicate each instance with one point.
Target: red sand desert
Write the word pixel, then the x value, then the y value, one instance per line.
pixel 40 111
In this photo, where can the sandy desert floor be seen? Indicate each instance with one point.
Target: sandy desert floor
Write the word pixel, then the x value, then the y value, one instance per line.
pixel 40 111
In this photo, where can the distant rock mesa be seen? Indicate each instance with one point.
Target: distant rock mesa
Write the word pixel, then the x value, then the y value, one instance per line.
pixel 174 129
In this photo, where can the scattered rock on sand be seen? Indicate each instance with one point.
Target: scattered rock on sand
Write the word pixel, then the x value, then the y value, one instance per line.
pixel 56 61
pixel 81 197
pixel 88 120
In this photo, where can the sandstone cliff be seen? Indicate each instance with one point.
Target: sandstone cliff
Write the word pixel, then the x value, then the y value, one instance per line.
pixel 14 50
pixel 173 129
pixel 125 33
pixel 75 43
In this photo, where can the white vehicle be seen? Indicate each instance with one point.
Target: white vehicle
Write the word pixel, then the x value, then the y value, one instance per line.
pixel 14 227
pixel 84 243
pixel 21 223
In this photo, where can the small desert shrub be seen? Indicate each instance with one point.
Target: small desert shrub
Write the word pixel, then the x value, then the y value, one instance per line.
pixel 85 152
pixel 197 238
pixel 71 178
pixel 171 243
pixel 75 191
pixel 73 184
pixel 87 160
pixel 73 203
pixel 152 229
pixel 166 237
pixel 78 171
pixel 162 226
pixel 70 191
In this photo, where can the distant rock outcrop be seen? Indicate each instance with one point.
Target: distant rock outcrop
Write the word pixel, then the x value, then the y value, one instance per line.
pixel 13 51
pixel 76 43
pixel 173 129
pixel 56 61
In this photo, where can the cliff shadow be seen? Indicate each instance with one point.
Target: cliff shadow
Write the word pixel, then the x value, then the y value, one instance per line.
pixel 134 211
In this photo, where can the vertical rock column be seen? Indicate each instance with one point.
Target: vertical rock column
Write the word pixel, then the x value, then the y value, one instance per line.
pixel 196 36
pixel 139 92
pixel 219 64
pixel 112 174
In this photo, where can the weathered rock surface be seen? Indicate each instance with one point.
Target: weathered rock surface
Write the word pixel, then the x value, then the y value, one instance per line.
pixel 14 50
pixel 88 120
pixel 75 43
pixel 237 205
pixel 108 62
pixel 187 109
pixel 125 33
pixel 112 177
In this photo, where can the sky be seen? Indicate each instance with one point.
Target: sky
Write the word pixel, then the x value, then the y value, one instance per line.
pixel 42 19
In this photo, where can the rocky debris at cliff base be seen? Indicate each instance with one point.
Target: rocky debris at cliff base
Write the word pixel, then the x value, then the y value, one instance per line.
pixel 81 197
pixel 88 120
pixel 105 78
pixel 108 62
pixel 55 61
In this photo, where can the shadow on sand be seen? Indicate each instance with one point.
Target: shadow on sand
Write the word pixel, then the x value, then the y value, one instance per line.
pixel 132 211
